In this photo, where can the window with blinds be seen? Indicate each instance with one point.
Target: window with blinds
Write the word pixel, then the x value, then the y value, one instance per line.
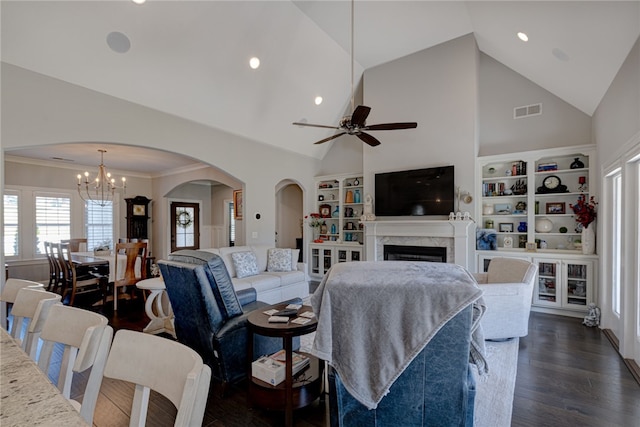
pixel 99 224
pixel 11 225
pixel 53 220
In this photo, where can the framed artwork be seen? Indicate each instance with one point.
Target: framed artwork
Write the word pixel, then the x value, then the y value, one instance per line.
pixel 238 206
pixel 502 209
pixel 505 227
pixel 556 208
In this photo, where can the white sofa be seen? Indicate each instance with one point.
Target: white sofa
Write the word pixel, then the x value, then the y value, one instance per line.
pixel 271 287
pixel 507 291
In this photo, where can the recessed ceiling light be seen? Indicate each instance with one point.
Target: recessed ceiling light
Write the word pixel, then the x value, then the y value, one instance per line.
pixel 318 100
pixel 522 36
pixel 138 1
pixel 254 62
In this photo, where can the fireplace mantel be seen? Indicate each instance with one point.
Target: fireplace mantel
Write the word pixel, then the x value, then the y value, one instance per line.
pixel 460 231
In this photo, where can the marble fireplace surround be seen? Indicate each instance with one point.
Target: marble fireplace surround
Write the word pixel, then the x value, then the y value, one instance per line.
pixel 456 236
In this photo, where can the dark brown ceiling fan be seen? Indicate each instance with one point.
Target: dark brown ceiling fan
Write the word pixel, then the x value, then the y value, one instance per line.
pixel 356 123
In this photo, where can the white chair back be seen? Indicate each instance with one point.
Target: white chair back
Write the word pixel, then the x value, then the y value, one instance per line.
pixel 10 291
pixel 32 304
pixel 168 367
pixel 86 338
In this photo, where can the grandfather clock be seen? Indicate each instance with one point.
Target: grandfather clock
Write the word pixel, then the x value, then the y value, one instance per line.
pixel 137 217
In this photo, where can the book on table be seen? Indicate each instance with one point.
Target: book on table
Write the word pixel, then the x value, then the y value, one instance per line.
pixel 271 369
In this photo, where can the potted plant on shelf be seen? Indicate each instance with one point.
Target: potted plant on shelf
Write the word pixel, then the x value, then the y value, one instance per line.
pixel 585 214
pixel 315 222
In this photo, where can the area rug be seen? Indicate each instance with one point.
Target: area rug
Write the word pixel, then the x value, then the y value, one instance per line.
pixel 494 390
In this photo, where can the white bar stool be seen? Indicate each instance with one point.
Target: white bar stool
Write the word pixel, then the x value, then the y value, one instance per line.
pixel 162 316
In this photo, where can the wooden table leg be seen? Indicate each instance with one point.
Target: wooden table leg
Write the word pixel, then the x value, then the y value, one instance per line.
pixel 288 412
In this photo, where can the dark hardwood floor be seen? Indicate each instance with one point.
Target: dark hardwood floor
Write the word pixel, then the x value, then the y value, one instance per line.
pixel 568 375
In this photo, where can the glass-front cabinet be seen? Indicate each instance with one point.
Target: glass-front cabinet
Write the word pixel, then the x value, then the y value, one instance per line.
pixel 564 284
pixel 324 255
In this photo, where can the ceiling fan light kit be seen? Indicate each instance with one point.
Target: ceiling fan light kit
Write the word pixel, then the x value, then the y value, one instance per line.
pixel 356 123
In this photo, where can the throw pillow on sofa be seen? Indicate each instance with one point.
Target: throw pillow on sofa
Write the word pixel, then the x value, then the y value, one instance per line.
pixel 245 264
pixel 279 259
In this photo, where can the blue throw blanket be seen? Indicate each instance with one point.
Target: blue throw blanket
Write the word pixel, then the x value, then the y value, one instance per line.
pixel 375 317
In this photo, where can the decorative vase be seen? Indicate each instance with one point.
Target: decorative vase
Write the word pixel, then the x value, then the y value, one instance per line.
pixel 348 197
pixel 336 212
pixel 543 225
pixel 522 227
pixel 577 164
pixel 589 239
pixel 333 229
pixel 356 196
pixel 316 233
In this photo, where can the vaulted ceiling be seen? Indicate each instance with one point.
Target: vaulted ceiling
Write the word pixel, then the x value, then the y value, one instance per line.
pixel 190 59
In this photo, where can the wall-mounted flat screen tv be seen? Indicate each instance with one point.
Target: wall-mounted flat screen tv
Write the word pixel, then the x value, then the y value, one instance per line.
pixel 415 192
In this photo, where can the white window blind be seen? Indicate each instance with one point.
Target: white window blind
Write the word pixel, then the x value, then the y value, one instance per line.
pixel 53 220
pixel 11 225
pixel 99 224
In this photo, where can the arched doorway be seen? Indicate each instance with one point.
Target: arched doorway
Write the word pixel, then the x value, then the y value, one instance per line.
pixel 289 214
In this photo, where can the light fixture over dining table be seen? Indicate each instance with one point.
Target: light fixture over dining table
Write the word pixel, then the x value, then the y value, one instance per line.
pixel 100 190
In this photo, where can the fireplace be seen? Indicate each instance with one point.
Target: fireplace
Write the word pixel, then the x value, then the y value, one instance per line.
pixel 415 253
pixel 456 236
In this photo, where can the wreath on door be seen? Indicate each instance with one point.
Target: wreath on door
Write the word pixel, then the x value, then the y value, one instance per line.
pixel 184 219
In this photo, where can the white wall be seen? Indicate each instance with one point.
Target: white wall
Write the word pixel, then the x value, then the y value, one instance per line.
pixel 39 110
pixel 438 88
pixel 501 90
pixel 617 119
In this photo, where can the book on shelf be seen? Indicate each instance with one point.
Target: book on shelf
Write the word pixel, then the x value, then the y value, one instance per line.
pixel 271 369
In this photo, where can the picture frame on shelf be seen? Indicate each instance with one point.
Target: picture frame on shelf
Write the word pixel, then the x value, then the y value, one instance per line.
pixel 505 227
pixel 555 208
pixel 237 204
pixel 502 208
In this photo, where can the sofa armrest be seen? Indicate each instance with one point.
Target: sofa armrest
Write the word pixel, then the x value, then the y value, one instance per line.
pixel 506 289
pixel 480 277
pixel 302 266
pixel 246 296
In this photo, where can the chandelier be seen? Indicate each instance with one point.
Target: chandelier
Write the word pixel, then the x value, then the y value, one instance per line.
pixel 102 189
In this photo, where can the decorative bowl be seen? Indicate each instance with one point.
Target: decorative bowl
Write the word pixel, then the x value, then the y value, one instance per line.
pixel 543 225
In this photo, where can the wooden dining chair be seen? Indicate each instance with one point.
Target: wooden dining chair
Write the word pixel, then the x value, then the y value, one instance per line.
pixel 77 283
pixel 74 244
pixel 165 366
pixel 132 273
pixel 86 339
pixel 55 274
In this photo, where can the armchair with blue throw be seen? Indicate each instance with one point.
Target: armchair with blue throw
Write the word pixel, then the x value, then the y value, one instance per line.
pixel 414 328
pixel 210 316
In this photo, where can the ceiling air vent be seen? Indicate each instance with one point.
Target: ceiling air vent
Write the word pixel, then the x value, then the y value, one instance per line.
pixel 527 111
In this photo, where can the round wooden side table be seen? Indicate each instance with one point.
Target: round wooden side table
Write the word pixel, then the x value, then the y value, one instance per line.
pixel 292 393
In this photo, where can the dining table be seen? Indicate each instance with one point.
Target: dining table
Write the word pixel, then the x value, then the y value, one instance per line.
pixel 109 261
pixel 28 397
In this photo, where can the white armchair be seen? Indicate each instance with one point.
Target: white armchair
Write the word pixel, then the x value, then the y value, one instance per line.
pixel 507 291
